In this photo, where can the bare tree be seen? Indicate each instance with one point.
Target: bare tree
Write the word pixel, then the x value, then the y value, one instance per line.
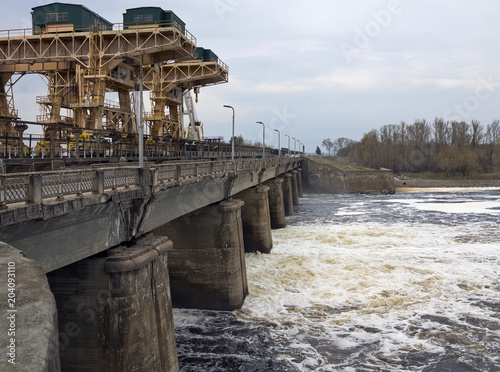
pixel 369 149
pixel 441 130
pixel 477 133
pixel 328 145
pixel 460 136
pixel 492 140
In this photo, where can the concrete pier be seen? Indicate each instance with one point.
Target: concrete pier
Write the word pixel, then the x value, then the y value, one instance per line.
pixel 207 264
pixel 295 188
pixel 115 311
pixel 30 340
pixel 256 219
pixel 299 182
pixel 287 193
pixel 276 203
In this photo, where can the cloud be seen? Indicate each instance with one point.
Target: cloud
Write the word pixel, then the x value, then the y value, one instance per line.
pixel 284 87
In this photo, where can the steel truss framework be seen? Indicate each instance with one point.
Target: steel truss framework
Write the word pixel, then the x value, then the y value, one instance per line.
pixel 81 67
pixel 167 82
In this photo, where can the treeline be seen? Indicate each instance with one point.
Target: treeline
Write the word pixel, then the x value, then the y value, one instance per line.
pixel 452 147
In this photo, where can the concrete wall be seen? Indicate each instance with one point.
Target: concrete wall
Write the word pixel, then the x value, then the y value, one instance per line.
pixel 328 179
pixel 115 312
pixel 29 333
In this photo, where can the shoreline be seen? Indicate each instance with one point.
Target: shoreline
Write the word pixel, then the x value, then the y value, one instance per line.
pixel 401 185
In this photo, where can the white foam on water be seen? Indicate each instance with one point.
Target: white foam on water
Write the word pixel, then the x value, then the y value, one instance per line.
pixel 372 286
pixel 457 206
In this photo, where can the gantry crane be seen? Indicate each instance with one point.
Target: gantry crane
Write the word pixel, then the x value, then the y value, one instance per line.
pixel 81 66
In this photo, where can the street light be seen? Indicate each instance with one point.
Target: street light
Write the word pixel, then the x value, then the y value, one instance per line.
pixel 279 143
pixel 232 137
pixel 294 145
pixel 140 127
pixel 263 139
pixel 299 144
pixel 286 135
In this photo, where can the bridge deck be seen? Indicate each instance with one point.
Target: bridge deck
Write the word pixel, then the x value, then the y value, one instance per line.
pixel 58 218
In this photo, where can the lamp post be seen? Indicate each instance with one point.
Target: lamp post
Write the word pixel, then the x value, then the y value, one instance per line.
pixel 279 143
pixel 294 145
pixel 140 127
pixel 286 135
pixel 232 134
pixel 263 139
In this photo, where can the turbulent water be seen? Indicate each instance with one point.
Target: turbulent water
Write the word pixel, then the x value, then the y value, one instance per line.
pixel 404 282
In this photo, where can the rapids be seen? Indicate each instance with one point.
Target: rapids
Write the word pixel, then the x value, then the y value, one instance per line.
pixel 404 282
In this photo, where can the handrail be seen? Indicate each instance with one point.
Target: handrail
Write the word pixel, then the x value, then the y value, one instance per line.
pixel 134 26
pixel 215 59
pixel 34 187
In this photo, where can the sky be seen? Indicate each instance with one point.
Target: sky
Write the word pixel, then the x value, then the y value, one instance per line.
pixel 325 69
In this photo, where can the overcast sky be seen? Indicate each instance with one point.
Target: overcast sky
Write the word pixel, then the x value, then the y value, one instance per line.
pixel 317 69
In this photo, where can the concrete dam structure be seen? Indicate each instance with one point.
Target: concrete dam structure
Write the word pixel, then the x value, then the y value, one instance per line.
pixel 326 178
pixel 121 245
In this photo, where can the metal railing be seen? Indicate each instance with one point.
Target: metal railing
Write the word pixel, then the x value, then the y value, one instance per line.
pixel 33 188
pixel 99 28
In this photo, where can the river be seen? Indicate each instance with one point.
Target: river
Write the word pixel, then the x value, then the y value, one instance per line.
pixel 403 282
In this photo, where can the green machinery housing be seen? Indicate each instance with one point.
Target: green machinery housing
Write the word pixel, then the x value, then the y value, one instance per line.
pixel 206 55
pixel 61 17
pixel 136 17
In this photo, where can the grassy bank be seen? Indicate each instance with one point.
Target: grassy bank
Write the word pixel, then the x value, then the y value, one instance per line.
pixel 417 180
pixel 345 164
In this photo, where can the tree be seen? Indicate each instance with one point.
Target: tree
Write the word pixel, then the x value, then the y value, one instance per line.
pixel 238 141
pixel 454 160
pixel 318 150
pixel 344 145
pixel 477 133
pixel 441 133
pixel 492 140
pixel 460 136
pixel 328 145
pixel 369 149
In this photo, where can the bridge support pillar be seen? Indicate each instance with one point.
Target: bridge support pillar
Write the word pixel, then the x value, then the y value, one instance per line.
pixel 256 219
pixel 276 203
pixel 287 193
pixel 207 264
pixel 115 312
pixel 295 188
pixel 52 132
pixel 21 128
pixel 299 182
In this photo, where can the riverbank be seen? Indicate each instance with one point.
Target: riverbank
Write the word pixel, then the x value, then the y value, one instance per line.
pixel 437 183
